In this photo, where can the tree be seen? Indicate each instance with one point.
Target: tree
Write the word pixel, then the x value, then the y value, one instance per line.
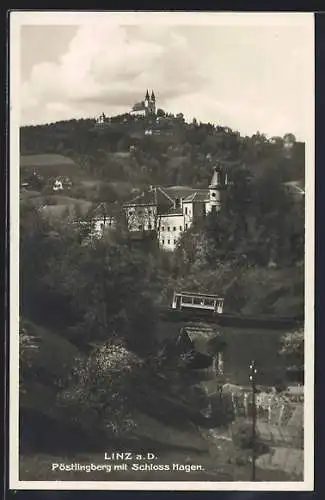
pixel 292 349
pixel 101 387
pixel 161 113
pixel 43 246
pixel 110 284
pixel 35 181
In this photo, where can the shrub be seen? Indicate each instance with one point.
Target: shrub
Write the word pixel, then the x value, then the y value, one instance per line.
pixel 100 389
pixel 242 435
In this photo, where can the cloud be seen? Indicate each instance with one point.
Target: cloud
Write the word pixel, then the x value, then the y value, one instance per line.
pixel 108 68
pixel 246 77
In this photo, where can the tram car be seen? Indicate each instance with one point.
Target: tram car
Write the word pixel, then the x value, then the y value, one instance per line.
pixel 197 301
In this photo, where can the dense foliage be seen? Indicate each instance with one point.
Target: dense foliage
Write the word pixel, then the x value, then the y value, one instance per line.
pixel 89 307
pixel 176 153
pixel 292 349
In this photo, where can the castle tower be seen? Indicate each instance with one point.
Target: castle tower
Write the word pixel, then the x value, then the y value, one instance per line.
pixel 215 188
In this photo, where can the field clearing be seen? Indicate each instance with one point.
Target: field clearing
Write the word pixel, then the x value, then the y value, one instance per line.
pixel 58 211
pixel 67 200
pixel 51 165
pixel 45 160
pixel 27 194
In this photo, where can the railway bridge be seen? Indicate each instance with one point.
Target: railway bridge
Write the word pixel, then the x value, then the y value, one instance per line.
pixel 229 340
pixel 198 307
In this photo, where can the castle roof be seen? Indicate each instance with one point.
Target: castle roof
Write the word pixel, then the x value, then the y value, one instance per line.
pixel 178 192
pixel 215 178
pixel 201 196
pixel 168 195
pixel 155 196
pixel 107 209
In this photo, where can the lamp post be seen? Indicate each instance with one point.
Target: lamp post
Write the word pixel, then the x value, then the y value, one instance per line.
pixel 252 378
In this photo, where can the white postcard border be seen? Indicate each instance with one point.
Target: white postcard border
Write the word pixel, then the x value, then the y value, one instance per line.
pixel 19 18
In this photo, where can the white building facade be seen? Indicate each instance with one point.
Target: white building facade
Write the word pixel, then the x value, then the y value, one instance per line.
pixel 170 211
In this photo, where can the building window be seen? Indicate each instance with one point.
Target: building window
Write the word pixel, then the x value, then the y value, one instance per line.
pixel 180 228
pixel 131 212
pixel 168 228
pixel 149 212
pixel 162 242
pixel 163 228
pixel 213 194
pixel 149 227
pixel 168 242
pixel 174 228
pixel 175 241
pixel 140 228
pixel 185 226
pixel 185 210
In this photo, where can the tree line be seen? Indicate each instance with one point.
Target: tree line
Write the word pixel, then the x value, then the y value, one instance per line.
pixel 185 156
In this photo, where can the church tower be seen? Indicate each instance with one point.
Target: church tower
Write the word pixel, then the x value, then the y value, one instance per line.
pixel 153 103
pixel 147 101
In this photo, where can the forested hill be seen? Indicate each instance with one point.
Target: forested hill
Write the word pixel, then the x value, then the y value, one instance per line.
pixel 92 368
pixel 163 149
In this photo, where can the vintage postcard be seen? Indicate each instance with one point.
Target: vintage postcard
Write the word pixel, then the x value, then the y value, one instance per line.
pixel 162 251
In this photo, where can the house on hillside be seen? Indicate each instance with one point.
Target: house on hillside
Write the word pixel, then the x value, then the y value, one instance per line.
pixel 52 171
pixel 61 183
pixel 57 185
pixel 102 120
pixel 104 218
pixel 95 222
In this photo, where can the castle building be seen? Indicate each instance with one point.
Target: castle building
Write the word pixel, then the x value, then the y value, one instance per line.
pixel 169 211
pixel 146 107
pixel 166 212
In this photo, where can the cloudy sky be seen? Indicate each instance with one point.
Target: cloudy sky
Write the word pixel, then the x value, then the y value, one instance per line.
pixel 248 77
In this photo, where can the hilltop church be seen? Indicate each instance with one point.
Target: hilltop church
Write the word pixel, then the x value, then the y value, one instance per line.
pixel 169 211
pixel 146 107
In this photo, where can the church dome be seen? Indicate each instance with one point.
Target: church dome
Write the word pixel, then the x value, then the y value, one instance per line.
pixel 139 106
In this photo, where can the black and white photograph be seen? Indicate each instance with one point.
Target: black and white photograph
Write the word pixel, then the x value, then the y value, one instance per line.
pixel 162 250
